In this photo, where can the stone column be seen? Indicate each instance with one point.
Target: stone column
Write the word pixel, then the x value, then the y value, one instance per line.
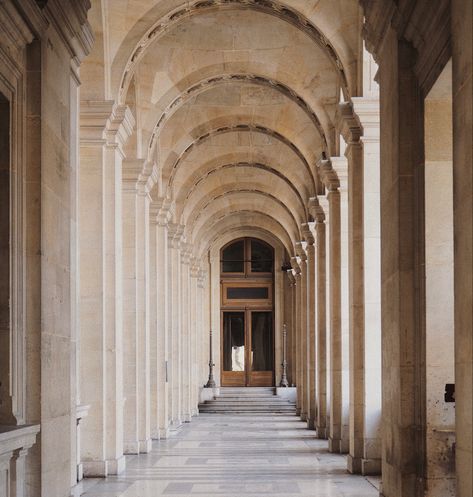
pixel 312 311
pixel 321 354
pixel 401 271
pixel 362 153
pixel 462 21
pixel 104 128
pixel 185 333
pixel 332 184
pixel 304 351
pixel 135 307
pixel 175 232
pixel 162 315
pixel 340 166
pixel 297 332
pixel 194 337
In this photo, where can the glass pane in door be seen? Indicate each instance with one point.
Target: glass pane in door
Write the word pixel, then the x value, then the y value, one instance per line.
pixel 234 341
pixel 262 341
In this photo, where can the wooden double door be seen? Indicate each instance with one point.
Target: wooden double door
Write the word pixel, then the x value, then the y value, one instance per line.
pixel 247 347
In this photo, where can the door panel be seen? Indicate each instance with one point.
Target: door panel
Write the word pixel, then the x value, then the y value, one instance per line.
pixel 233 349
pixel 262 348
pixel 247 348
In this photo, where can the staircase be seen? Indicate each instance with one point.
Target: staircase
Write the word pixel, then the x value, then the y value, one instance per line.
pixel 250 400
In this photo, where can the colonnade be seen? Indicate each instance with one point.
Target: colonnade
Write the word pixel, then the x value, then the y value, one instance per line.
pixel 107 299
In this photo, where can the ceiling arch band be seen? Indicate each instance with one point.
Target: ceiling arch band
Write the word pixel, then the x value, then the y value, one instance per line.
pixel 243 128
pixel 271 7
pixel 241 78
pixel 256 165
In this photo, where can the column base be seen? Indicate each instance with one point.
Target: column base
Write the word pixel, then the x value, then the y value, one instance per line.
pixel 164 433
pixel 321 432
pixel 145 446
pixel 187 418
pixel 175 426
pixel 311 424
pixel 101 469
pixel 304 416
pixel 334 445
pixel 365 467
pixel 131 447
pixel 298 411
pixel 371 467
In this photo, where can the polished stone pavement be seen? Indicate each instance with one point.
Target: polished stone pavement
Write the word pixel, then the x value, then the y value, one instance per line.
pixel 235 456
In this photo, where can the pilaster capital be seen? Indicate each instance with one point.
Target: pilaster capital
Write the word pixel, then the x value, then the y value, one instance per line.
pixel 186 252
pixel 296 266
pixel 348 123
pixel 290 275
pixel 301 253
pixel 367 110
pixel 329 175
pixel 316 210
pixel 139 175
pixel 163 209
pixel 325 207
pixel 102 122
pixel 308 232
pixel 340 166
pixel 175 235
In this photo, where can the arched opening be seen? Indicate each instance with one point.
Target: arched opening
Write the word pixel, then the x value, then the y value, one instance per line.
pixel 247 313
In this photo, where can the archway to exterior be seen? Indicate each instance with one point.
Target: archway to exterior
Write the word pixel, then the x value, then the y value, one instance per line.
pixel 247 313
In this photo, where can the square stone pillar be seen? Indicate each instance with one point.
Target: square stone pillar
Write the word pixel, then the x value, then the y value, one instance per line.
pixel 462 41
pixel 340 166
pixel 186 333
pixel 332 184
pixel 135 307
pixel 162 316
pixel 308 230
pixel 304 351
pixel 321 355
pixel 104 129
pixel 175 233
pixel 297 333
pixel 402 274
pixel 361 132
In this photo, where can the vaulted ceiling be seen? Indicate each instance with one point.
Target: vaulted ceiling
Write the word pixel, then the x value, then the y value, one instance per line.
pixel 234 101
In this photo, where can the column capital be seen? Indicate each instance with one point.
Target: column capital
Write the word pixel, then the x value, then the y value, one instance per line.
pixel 325 207
pixel 329 175
pixel 301 253
pixel 367 110
pixel 308 232
pixel 296 266
pixel 348 123
pixel 290 275
pixel 103 122
pixel 166 212
pixel 139 174
pixel 175 235
pixel 316 209
pixel 186 252
pixel 340 166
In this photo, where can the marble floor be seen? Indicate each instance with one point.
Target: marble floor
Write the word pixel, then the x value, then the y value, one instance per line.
pixel 236 456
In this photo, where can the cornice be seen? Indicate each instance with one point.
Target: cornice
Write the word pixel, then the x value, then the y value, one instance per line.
pixel 69 18
pixel 16 32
